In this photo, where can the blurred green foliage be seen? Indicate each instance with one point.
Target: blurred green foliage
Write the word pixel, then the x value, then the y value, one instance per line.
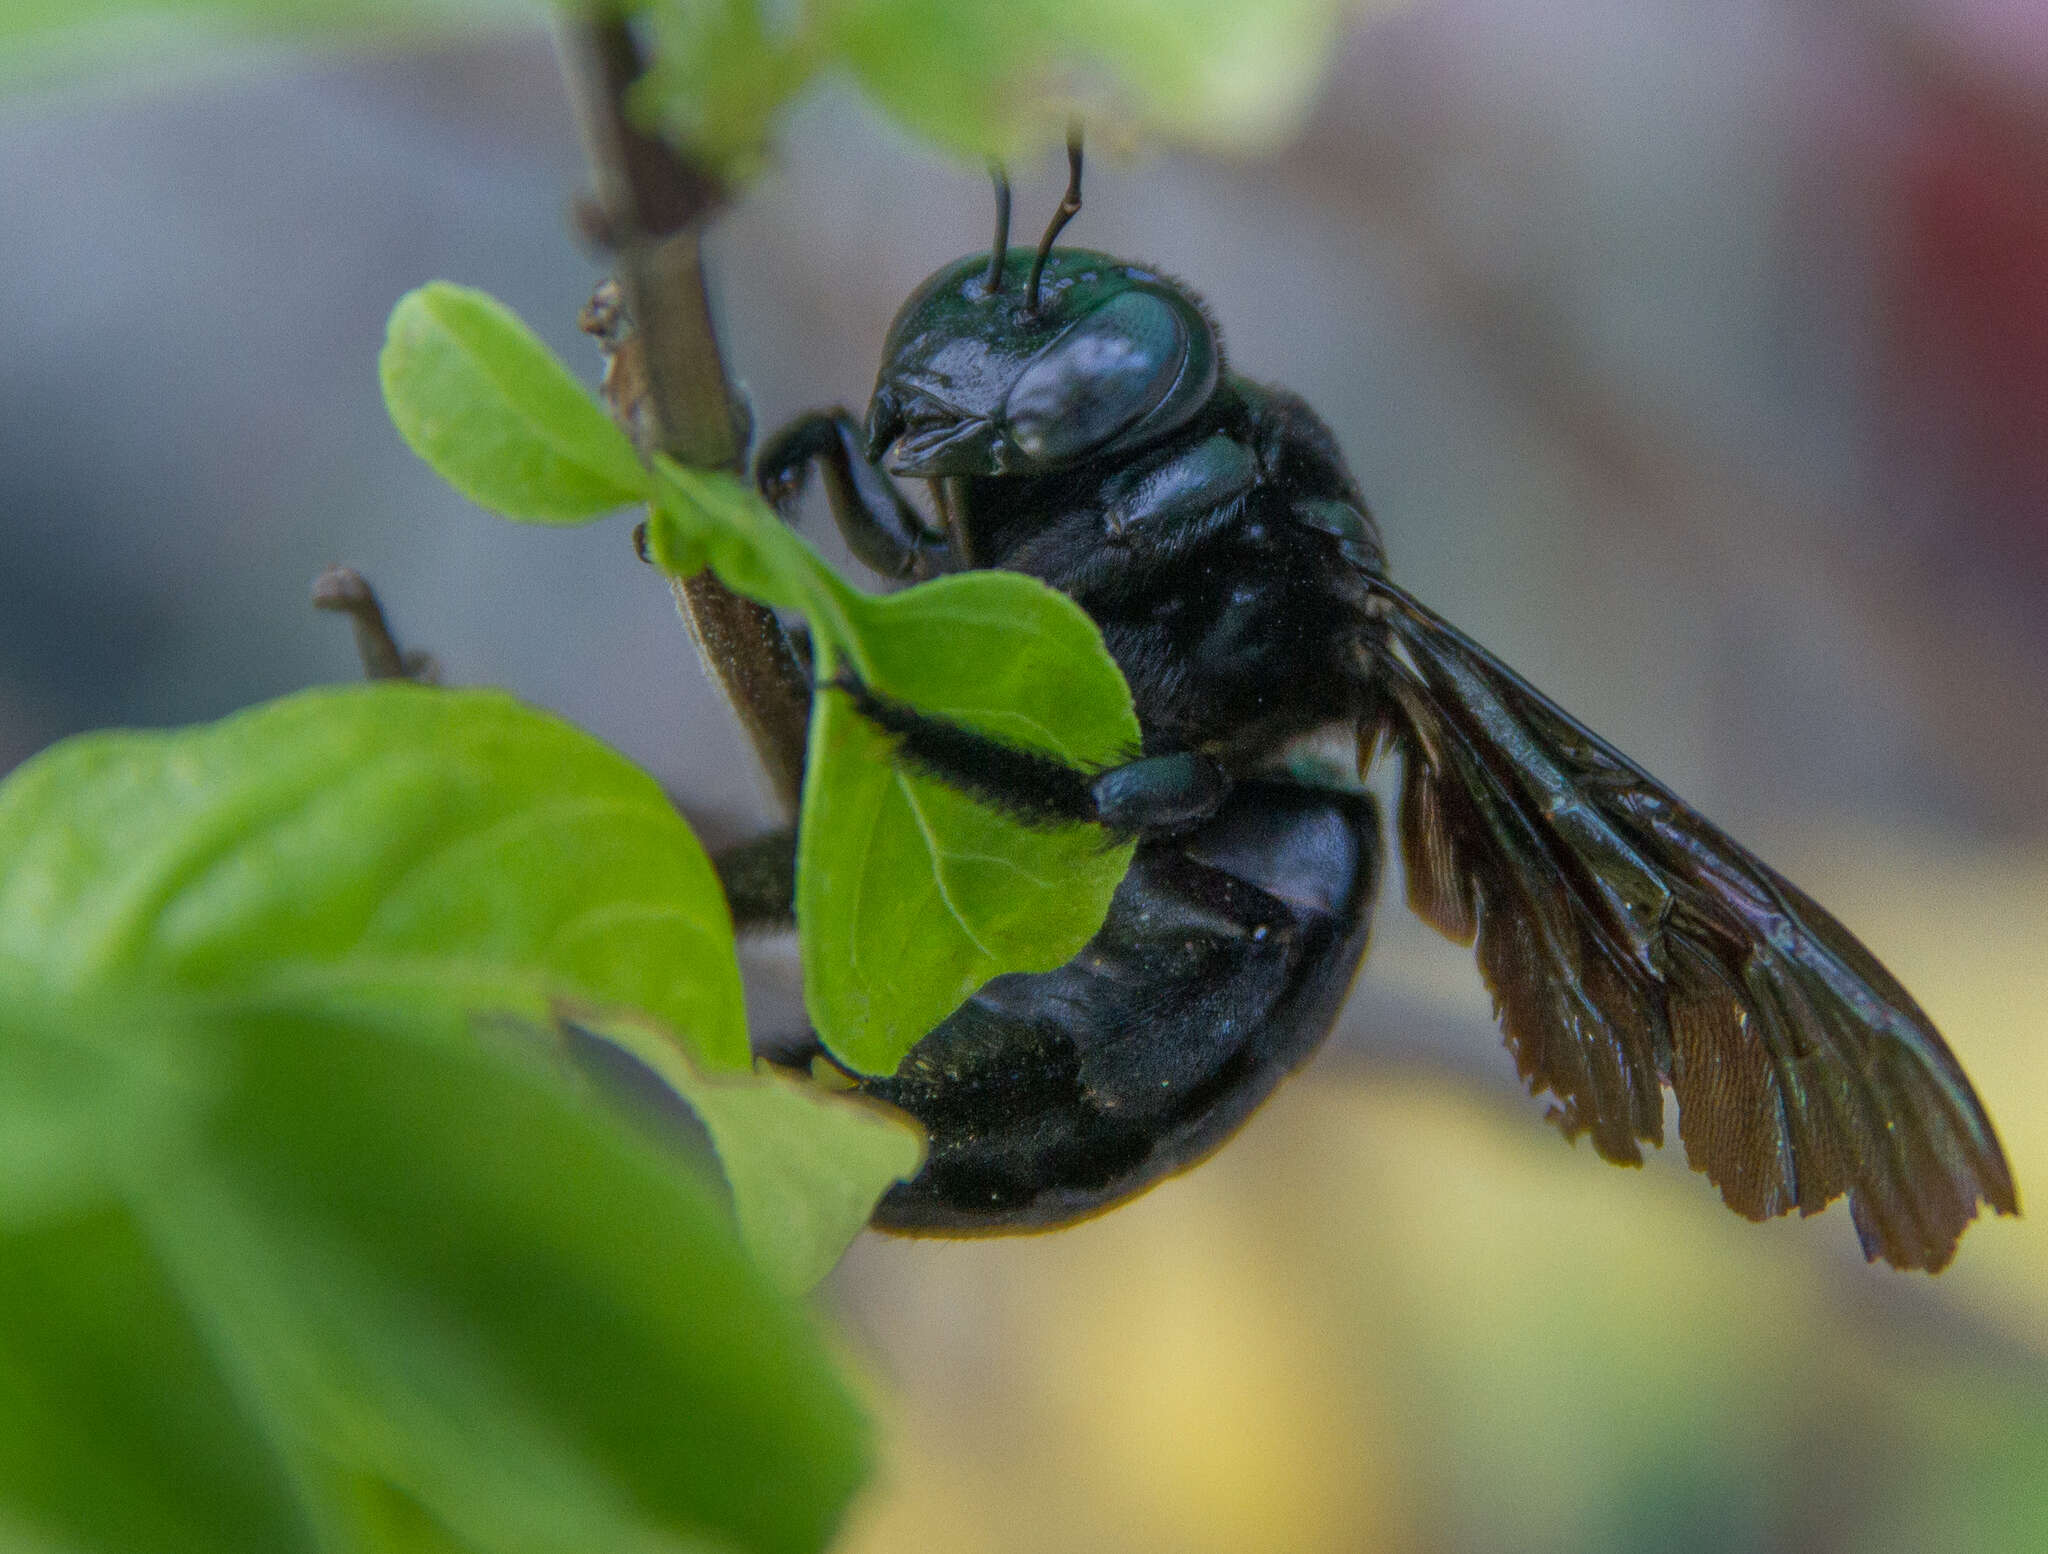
pixel 60 42
pixel 313 1230
pixel 991 77
pixel 973 77
pixel 370 1283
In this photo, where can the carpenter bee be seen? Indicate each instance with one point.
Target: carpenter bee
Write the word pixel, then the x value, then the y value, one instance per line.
pixel 1075 419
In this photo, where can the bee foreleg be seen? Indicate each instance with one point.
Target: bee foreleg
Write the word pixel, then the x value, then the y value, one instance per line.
pixel 878 522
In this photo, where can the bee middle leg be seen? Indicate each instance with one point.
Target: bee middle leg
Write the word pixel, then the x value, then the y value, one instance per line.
pixel 1148 796
pixel 759 878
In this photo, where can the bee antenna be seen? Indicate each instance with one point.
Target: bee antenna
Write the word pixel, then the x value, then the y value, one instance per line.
pixel 1000 249
pixel 1069 206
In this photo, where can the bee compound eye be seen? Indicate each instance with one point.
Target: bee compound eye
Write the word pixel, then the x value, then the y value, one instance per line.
pixel 1096 380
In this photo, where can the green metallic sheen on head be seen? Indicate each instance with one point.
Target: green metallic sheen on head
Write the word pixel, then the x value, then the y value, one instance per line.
pixel 974 383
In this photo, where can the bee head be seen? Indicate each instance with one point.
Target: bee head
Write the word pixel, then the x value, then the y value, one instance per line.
pixel 1023 362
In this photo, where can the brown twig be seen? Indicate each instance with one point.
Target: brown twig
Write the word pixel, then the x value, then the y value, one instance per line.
pixel 653 205
pixel 345 591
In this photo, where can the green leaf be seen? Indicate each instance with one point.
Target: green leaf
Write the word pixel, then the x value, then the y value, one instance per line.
pixel 806 1166
pixel 117 1429
pixel 386 840
pixel 497 415
pixel 448 1275
pixel 81 1108
pixel 996 77
pixel 398 1288
pixel 120 1432
pixel 910 895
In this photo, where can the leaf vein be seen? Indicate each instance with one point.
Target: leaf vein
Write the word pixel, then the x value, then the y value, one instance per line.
pixel 931 843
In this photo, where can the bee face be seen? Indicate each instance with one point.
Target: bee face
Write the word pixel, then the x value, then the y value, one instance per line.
pixel 976 383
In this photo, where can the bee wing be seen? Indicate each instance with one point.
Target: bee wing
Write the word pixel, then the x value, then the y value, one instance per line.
pixel 1628 943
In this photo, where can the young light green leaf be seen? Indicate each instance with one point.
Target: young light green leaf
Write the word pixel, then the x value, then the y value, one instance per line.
pixel 806 1167
pixel 480 398
pixel 909 895
pixel 396 1278
pixel 455 844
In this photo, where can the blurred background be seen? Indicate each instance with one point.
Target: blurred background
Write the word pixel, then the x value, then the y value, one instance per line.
pixel 1695 357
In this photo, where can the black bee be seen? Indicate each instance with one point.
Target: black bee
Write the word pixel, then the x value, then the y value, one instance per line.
pixel 1076 421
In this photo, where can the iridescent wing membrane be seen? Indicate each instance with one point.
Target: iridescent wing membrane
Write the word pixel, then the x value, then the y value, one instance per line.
pixel 1628 944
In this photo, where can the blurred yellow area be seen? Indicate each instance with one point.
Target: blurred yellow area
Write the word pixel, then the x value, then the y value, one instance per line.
pixel 1399 1313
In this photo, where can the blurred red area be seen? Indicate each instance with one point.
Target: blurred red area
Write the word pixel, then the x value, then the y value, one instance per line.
pixel 1967 353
